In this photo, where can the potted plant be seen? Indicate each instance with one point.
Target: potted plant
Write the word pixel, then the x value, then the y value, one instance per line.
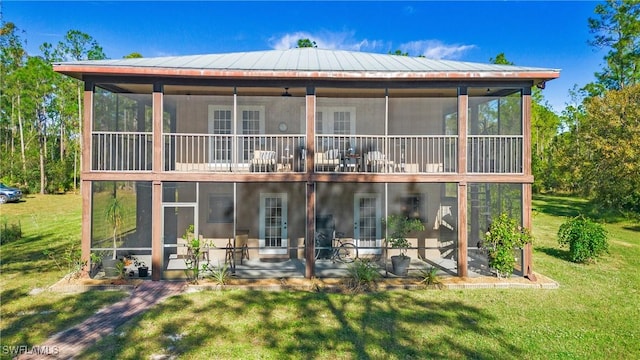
pixel 505 235
pixel 398 227
pixel 113 215
pixel 141 266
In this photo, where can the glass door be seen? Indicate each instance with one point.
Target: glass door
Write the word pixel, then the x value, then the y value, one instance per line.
pixel 273 223
pixel 367 227
pixel 178 220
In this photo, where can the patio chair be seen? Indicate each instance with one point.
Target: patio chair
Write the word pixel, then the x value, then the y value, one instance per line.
pixel 376 161
pixel 263 160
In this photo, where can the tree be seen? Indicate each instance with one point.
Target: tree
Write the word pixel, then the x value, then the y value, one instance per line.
pixel 399 52
pixel 617 28
pixel 133 55
pixel 500 59
pixel 76 46
pixel 611 167
pixel 306 43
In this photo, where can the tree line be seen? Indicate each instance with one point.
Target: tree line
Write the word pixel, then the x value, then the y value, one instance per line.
pixel 592 148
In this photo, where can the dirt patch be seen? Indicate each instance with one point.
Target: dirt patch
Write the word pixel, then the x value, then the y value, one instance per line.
pixel 314 284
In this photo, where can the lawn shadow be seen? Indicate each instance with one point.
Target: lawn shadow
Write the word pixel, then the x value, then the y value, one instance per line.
pixel 309 325
pixel 46 318
pixel 635 228
pixel 555 252
pixel 566 206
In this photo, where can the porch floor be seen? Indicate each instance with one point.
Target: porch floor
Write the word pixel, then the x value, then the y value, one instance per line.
pixel 295 268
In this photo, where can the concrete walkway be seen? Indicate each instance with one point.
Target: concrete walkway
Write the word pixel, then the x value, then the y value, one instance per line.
pixel 70 343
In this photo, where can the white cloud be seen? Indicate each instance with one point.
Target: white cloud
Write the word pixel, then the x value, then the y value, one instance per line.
pixel 435 49
pixel 346 40
pixel 327 40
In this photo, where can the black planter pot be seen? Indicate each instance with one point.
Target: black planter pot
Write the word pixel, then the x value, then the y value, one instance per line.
pixel 143 271
pixel 400 265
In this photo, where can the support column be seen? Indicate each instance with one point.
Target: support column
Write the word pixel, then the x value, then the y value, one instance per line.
pixel 85 167
pixel 463 120
pixel 85 242
pixel 527 261
pixel 309 249
pixel 156 191
pixel 310 246
pixel 156 230
pixel 462 230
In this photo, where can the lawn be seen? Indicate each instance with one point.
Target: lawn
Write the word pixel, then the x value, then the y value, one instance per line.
pixel 48 222
pixel 592 315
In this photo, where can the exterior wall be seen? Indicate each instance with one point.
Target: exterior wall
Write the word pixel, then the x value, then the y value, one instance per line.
pixel 320 194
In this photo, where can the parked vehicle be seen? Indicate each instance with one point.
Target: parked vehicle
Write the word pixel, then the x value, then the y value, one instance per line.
pixel 8 194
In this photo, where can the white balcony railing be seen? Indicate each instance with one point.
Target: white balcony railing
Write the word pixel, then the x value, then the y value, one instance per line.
pixel 495 154
pixel 122 151
pixel 133 151
pixel 390 154
pixel 235 153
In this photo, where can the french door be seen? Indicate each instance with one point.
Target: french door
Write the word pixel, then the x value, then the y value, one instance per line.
pixel 367 227
pixel 273 223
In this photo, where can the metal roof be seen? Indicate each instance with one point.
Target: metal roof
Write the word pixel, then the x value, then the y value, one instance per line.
pixel 302 62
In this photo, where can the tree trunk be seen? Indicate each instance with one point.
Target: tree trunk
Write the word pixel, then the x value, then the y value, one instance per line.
pixel 24 158
pixel 43 152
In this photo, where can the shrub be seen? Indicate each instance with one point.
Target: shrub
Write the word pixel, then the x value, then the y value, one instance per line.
pixel 504 236
pixel 586 239
pixel 68 260
pixel 362 275
pixel 429 277
pixel 10 232
pixel 219 274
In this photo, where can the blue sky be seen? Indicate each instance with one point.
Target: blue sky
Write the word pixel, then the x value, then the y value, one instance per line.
pixel 531 33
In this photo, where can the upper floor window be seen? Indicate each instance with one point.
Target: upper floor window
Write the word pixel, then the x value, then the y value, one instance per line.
pixel 336 120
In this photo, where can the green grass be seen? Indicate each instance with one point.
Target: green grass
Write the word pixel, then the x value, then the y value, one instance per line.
pixel 48 222
pixel 594 314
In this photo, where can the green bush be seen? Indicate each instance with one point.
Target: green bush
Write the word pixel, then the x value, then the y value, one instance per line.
pixel 505 235
pixel 586 239
pixel 10 232
pixel 362 275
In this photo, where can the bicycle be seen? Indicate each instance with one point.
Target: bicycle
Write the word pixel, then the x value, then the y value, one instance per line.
pixel 344 252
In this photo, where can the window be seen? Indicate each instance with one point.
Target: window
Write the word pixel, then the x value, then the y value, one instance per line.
pixel 319 123
pixel 251 121
pixel 339 120
pixel 342 122
pixel 221 122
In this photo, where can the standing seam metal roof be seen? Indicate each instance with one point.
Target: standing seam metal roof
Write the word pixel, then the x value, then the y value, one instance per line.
pixel 307 59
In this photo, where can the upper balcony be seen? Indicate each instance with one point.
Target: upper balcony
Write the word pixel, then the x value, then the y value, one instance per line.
pixel 257 130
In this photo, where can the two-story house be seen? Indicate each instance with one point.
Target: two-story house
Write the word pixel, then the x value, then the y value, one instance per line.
pixel 262 151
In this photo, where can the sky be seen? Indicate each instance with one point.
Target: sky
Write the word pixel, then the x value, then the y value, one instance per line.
pixel 547 34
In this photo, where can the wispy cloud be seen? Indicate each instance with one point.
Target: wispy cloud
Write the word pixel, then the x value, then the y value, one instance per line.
pixel 346 40
pixel 435 49
pixel 328 40
pixel 409 10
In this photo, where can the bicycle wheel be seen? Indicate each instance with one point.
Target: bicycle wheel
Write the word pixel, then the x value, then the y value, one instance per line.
pixel 319 241
pixel 347 253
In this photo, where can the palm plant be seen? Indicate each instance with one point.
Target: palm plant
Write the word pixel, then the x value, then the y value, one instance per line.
pixel 114 216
